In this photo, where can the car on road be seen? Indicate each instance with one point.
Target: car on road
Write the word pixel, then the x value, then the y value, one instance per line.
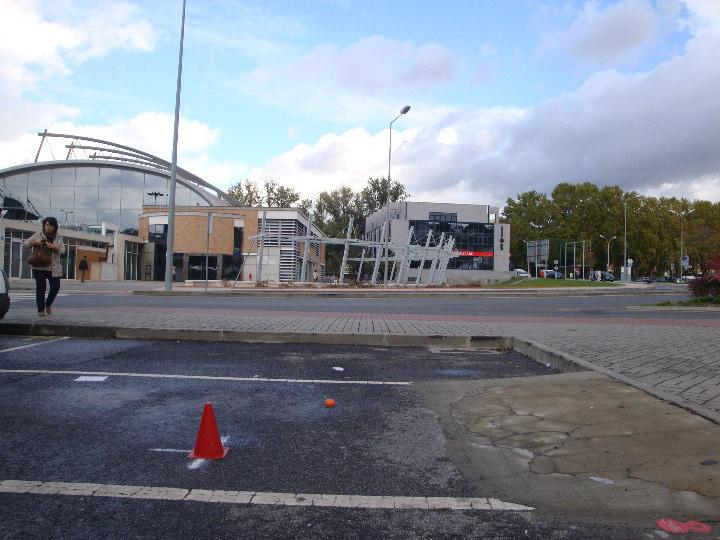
pixel 685 279
pixel 548 274
pixel 519 272
pixel 607 276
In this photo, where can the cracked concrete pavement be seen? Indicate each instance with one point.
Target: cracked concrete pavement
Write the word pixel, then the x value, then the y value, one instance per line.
pixel 581 444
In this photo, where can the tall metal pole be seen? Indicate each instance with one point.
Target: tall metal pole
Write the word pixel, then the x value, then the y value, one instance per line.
pixel 682 222
pixel 404 110
pixel 607 267
pixel 536 258
pixel 574 263
pixel 207 250
pixel 583 260
pixel 261 249
pixel 173 168
pixel 625 241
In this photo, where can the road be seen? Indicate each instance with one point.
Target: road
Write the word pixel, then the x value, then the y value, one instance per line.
pixel 392 440
pixel 575 305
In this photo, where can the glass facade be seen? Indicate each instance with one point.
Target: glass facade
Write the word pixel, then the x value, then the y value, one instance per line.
pixel 88 194
pixel 475 241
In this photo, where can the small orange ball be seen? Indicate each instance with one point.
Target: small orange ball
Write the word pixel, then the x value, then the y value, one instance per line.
pixel 329 402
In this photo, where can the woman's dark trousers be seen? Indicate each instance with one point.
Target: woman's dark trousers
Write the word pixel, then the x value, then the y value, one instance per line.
pixel 40 277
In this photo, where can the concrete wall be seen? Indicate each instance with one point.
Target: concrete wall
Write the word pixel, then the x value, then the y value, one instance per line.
pixel 501 262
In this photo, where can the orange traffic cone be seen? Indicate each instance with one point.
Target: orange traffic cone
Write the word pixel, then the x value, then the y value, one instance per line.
pixel 208 444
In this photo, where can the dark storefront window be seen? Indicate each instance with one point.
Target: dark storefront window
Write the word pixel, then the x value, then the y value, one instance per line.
pixel 158 234
pixel 475 240
pixel 231 264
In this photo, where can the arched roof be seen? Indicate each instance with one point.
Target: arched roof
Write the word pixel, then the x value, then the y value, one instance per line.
pixel 211 199
pixel 127 156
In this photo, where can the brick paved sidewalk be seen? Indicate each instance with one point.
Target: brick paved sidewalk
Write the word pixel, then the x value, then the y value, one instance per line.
pixel 677 358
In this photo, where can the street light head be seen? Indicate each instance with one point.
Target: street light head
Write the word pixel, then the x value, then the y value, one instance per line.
pixel 613 238
pixel 405 109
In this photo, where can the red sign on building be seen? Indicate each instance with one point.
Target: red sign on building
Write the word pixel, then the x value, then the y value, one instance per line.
pixel 475 253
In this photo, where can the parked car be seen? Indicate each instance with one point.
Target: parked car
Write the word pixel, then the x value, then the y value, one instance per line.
pixel 685 279
pixel 519 272
pixel 607 276
pixel 548 274
pixel 4 294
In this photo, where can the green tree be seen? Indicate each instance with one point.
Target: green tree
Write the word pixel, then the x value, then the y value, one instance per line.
pixel 374 195
pixel 278 196
pixel 247 195
pixel 332 212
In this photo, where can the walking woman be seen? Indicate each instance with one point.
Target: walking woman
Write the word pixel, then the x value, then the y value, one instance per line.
pixel 47 246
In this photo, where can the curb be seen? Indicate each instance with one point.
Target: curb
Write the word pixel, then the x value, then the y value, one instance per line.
pixel 673 308
pixel 448 294
pixel 230 336
pixel 540 353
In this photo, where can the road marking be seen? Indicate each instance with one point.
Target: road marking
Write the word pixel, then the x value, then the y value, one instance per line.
pixel 18 297
pixel 195 377
pixel 34 344
pixel 90 378
pixel 177 450
pixel 258 497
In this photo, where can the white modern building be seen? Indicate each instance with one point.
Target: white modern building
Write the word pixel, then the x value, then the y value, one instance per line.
pixel 482 244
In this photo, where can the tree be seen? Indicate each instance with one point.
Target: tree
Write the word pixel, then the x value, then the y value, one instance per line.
pixel 278 196
pixel 374 195
pixel 249 195
pixel 305 206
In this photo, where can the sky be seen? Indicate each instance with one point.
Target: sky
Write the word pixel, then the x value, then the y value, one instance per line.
pixel 506 96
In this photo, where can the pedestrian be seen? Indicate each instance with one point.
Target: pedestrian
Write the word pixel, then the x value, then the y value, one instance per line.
pixel 84 266
pixel 315 275
pixel 174 273
pixel 47 246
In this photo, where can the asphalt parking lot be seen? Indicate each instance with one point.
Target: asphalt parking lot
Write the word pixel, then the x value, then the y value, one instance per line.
pixel 135 424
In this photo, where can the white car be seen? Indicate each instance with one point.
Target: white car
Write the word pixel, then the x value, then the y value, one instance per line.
pixel 519 272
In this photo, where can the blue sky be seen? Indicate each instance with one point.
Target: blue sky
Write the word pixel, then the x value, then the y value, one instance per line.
pixel 506 95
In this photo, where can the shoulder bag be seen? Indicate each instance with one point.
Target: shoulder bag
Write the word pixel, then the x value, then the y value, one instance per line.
pixel 41 256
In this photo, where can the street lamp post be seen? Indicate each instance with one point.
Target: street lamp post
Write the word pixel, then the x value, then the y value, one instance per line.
pixel 155 194
pixel 608 240
pixel 527 255
pixel 404 110
pixel 173 166
pixel 682 214
pixel 66 212
pixel 625 243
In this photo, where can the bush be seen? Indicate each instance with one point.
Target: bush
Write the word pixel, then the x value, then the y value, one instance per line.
pixel 708 284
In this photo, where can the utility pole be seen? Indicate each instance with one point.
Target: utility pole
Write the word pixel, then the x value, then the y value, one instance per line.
pixel 173 167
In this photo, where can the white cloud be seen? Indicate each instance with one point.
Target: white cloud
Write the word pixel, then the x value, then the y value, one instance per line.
pixel 616 33
pixel 150 131
pixel 42 41
pixel 655 132
pixel 371 78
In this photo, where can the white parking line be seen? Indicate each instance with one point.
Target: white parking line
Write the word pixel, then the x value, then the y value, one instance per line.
pixel 19 297
pixel 34 344
pixel 258 497
pixel 196 377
